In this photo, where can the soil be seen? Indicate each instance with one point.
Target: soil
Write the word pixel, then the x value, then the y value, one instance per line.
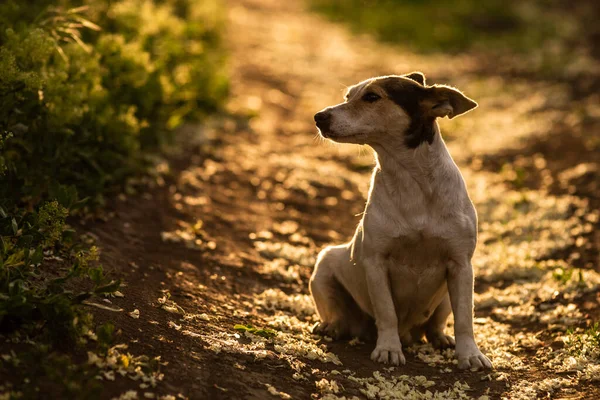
pixel 202 235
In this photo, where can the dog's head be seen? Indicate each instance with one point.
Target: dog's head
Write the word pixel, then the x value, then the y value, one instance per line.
pixel 391 109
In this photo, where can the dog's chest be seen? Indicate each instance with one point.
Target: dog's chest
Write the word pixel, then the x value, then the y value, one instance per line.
pixel 419 237
pixel 418 232
pixel 416 251
pixel 417 266
pixel 417 273
pixel 422 249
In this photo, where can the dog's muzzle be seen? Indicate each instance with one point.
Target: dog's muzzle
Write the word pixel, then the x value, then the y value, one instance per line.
pixel 323 120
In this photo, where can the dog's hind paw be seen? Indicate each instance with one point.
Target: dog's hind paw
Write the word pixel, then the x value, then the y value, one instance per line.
pixel 331 329
pixel 441 341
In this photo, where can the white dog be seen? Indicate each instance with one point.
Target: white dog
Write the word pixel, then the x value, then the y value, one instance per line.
pixel 409 263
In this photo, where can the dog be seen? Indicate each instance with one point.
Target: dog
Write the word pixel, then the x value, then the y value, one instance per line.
pixel 408 265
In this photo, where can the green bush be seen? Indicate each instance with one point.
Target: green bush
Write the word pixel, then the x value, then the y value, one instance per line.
pixel 31 289
pixel 88 89
pixel 81 101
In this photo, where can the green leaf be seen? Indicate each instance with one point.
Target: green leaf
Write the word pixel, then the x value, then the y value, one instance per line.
pixel 15 288
pixel 81 297
pixel 105 334
pixel 69 235
pixel 65 195
pixel 80 203
pixel 88 24
pixel 96 275
pixel 2 212
pixel 113 286
pixel 266 333
pixel 4 248
pixel 25 241
pixel 76 10
pixel 38 256
pixel 15 227
pixel 58 282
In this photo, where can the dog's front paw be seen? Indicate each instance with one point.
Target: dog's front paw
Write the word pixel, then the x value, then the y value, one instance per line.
pixel 474 360
pixel 388 355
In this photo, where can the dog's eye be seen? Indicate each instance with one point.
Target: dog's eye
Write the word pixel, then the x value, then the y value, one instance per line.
pixel 371 97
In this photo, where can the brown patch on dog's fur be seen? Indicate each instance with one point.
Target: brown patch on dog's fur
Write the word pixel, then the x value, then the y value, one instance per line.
pixel 417 77
pixel 410 95
pixel 424 104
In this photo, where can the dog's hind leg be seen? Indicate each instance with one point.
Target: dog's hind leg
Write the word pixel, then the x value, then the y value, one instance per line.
pixel 436 325
pixel 339 314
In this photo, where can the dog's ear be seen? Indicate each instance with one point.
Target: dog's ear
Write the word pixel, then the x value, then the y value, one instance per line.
pixel 416 76
pixel 445 101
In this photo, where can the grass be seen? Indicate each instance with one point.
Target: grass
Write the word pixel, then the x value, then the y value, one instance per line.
pixel 266 333
pixel 586 343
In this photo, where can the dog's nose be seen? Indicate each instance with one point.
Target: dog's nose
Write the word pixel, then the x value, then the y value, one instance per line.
pixel 323 118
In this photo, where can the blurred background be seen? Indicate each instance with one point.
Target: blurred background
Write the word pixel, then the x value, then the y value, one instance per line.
pixel 554 26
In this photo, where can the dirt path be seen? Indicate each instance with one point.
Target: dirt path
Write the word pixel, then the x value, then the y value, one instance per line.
pixel 230 236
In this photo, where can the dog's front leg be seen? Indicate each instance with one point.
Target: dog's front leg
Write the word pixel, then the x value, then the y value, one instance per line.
pixel 460 286
pixel 389 348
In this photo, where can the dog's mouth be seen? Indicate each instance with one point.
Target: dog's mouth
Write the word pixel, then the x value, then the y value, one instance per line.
pixel 343 138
